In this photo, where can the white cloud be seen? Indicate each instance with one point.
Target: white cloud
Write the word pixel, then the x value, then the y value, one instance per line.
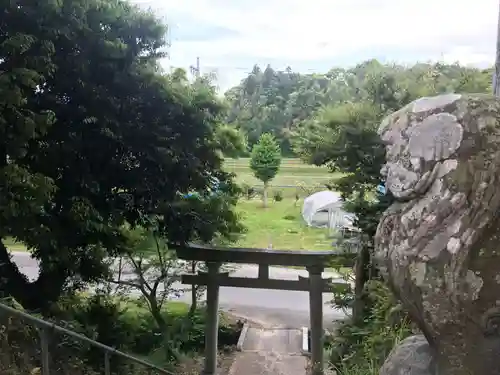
pixel 467 56
pixel 298 31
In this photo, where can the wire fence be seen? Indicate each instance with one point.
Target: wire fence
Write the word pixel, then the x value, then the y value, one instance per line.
pixel 282 191
pixel 245 164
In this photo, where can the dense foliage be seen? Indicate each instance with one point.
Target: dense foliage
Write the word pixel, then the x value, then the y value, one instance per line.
pixel 361 349
pixel 276 102
pixel 94 139
pixel 120 323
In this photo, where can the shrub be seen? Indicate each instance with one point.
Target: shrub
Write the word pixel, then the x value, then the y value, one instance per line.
pixel 119 323
pixel 191 332
pixel 20 352
pixel 258 192
pixel 244 189
pixel 277 195
pixel 362 349
pixel 247 191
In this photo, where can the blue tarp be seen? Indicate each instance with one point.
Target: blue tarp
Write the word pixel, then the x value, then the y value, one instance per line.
pixel 381 189
pixel 213 189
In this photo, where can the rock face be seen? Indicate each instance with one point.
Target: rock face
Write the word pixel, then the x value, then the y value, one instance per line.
pixel 413 356
pixel 438 246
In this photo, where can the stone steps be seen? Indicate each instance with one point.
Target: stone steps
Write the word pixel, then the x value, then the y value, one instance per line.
pixel 270 351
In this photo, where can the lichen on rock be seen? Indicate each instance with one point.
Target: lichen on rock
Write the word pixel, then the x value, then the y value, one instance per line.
pixel 437 244
pixel 413 356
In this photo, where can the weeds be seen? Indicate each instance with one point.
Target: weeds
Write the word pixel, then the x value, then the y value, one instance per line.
pixel 362 349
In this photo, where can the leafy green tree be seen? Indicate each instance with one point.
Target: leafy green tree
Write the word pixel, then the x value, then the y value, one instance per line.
pixel 231 141
pixel 95 140
pixel 265 161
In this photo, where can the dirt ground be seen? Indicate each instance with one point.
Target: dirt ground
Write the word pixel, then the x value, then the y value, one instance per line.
pixel 194 366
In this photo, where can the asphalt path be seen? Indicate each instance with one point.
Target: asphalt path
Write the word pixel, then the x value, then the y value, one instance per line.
pixel 268 307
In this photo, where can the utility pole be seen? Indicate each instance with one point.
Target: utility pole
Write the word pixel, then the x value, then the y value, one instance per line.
pixel 496 72
pixel 195 70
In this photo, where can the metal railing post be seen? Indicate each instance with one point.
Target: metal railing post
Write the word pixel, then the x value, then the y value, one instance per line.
pixel 107 365
pixel 44 345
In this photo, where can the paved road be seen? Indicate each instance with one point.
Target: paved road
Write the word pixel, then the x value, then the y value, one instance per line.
pixel 269 307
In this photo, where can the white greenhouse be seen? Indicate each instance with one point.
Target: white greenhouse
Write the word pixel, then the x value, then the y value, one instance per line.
pixel 324 210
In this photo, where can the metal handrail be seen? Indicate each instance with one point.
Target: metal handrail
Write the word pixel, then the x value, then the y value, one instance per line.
pixel 46 327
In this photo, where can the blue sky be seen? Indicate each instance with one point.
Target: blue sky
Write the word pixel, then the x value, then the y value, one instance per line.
pixel 315 35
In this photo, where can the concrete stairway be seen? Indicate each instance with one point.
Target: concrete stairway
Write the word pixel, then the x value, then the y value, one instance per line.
pixel 270 351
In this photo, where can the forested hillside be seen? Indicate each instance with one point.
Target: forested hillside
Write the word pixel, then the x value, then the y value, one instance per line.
pixel 277 101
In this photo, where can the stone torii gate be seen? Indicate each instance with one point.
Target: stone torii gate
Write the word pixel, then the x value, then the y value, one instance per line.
pixel 313 261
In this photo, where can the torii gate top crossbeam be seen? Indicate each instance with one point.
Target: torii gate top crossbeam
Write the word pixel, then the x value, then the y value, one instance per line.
pixel 253 256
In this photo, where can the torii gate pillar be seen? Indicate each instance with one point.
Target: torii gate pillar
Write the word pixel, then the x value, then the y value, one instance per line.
pixel 316 286
pixel 212 322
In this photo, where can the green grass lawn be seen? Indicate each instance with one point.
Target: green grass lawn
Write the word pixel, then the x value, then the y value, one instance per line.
pixel 292 172
pixel 281 225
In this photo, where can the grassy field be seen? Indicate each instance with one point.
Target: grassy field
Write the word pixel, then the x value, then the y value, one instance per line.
pixel 279 226
pixel 292 173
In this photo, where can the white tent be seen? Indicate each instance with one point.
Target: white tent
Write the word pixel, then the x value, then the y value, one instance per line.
pixel 324 209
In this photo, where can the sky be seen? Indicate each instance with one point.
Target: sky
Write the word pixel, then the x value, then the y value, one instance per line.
pixel 230 36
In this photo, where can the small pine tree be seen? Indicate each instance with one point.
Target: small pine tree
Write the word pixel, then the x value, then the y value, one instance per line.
pixel 265 161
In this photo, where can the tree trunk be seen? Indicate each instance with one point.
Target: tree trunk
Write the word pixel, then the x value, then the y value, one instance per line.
pixel 264 195
pixel 362 275
pixel 38 295
pixel 156 313
pixel 171 351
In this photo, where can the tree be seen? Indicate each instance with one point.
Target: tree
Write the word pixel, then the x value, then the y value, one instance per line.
pixel 345 138
pixel 231 141
pixel 277 102
pixel 152 269
pixel 94 139
pixel 265 161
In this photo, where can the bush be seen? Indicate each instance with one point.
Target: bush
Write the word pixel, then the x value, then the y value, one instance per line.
pixel 258 192
pixel 192 339
pixel 247 191
pixel 362 349
pixel 20 351
pixel 120 323
pixel 277 195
